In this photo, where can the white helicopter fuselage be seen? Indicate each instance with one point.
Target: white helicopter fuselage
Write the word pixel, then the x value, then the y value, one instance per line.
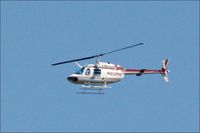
pixel 103 73
pixel 100 73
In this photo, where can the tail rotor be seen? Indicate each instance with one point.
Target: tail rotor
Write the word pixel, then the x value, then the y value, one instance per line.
pixel 164 70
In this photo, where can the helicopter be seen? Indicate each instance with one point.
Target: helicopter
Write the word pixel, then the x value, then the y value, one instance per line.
pixel 96 77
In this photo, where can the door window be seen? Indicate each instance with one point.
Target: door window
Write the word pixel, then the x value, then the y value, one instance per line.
pixel 87 72
pixel 97 72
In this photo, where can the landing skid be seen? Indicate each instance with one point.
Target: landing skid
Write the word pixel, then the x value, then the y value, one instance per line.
pixel 90 93
pixel 93 89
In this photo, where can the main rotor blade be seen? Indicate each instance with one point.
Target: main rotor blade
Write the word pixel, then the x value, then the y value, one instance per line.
pixel 123 48
pixel 69 61
pixel 96 56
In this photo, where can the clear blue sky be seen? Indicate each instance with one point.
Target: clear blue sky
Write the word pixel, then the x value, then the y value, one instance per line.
pixel 37 97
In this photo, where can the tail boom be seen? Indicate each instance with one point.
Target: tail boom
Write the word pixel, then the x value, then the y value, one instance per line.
pixel 138 72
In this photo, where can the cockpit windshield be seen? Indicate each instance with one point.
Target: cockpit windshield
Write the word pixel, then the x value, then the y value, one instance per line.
pixel 80 71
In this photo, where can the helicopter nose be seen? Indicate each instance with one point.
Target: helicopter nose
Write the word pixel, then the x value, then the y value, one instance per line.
pixel 72 79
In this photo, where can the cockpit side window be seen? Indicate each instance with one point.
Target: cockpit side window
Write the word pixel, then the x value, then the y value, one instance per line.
pixel 80 71
pixel 87 72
